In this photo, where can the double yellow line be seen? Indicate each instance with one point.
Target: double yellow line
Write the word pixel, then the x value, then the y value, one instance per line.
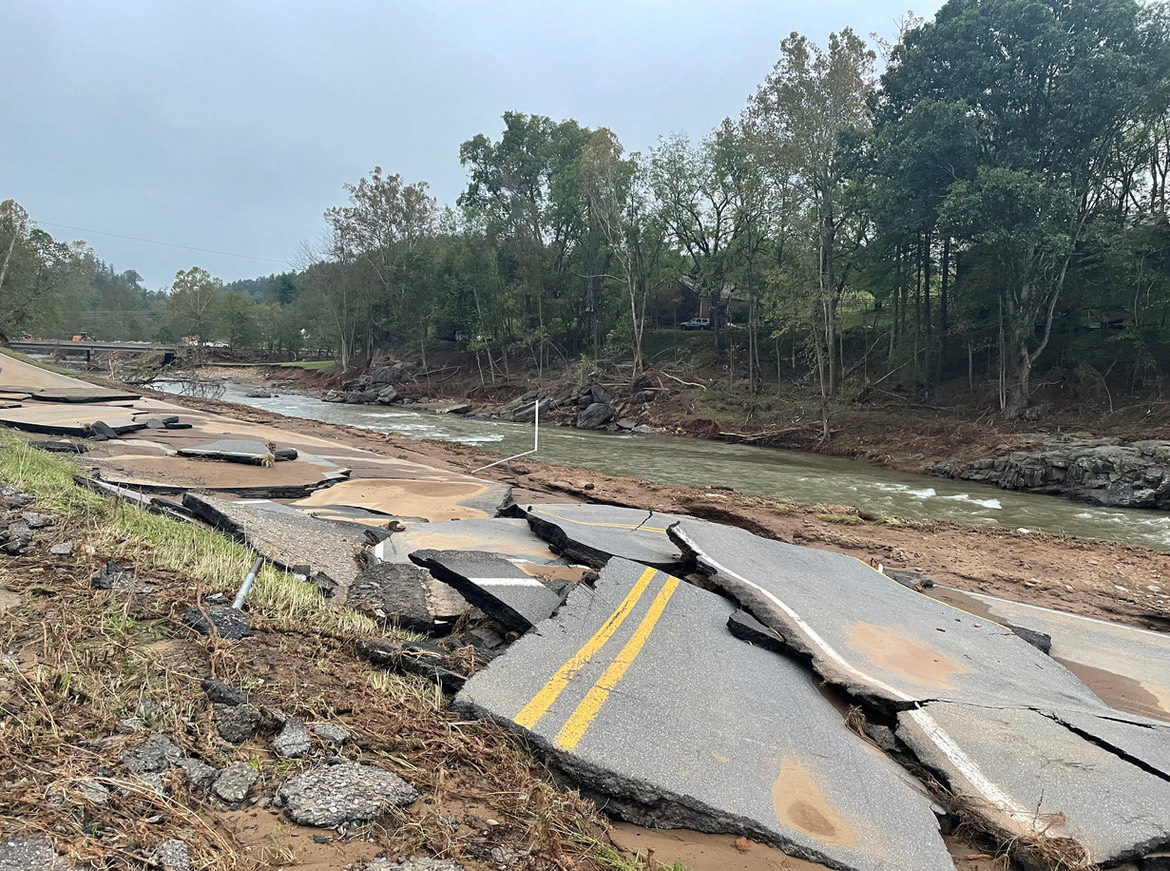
pixel 586 712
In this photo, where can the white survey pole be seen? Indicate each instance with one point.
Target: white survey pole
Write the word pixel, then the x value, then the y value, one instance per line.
pixel 535 439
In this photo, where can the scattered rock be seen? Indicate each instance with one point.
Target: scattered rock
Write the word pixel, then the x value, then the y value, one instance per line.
pixel 9 600
pixel 235 782
pixel 65 548
pixel 258 394
pixel 330 733
pixel 16 539
pixel 34 520
pixel 529 410
pixel 155 755
pixel 293 740
pixel 130 726
pixel 14 497
pixel 220 693
pixel 93 791
pixel 197 773
pixel 30 853
pixel 343 793
pixel 100 431
pixel 236 723
pixel 173 855
pixel 228 622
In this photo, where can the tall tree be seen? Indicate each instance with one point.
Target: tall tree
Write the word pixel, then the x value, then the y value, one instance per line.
pixel 193 306
pixel 1051 88
pixel 387 224
pixel 812 99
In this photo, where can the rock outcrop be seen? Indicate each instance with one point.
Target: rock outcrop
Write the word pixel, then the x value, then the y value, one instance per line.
pixel 1102 471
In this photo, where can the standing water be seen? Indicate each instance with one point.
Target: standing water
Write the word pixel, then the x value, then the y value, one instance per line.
pixel 801 477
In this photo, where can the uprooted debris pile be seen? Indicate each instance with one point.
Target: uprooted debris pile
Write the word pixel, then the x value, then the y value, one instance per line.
pixel 590 406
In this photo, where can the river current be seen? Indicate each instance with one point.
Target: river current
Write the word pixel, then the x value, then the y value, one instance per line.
pixel 801 477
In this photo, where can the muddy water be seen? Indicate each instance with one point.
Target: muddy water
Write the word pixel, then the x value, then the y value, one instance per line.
pixel 805 478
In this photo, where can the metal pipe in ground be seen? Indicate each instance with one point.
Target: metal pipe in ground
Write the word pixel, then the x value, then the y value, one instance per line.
pixel 248 581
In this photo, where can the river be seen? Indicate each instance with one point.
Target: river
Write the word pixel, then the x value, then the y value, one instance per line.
pixel 801 477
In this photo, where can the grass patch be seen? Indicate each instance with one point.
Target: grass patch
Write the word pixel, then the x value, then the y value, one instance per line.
pixel 86 659
pixel 126 532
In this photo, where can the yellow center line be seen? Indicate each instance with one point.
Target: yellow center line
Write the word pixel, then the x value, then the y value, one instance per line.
pixel 638 527
pixel 542 701
pixel 582 718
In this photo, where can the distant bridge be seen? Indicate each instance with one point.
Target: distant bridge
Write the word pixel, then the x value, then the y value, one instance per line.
pixel 63 347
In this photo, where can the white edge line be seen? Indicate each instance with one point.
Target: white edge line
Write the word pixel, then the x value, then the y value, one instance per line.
pixel 506 582
pixel 933 731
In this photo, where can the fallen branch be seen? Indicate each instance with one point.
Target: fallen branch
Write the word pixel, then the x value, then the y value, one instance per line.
pixel 687 383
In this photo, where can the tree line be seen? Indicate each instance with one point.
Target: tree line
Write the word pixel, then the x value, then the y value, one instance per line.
pixel 993 203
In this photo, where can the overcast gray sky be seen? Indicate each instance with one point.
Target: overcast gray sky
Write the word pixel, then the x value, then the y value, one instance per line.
pixel 231 126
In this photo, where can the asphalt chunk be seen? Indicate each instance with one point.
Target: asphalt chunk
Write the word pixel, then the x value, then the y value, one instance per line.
pixel 638 692
pixel 592 534
pixel 874 636
pixel 492 584
pixel 1052 787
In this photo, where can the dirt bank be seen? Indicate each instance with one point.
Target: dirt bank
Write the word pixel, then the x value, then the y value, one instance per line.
pixel 1109 581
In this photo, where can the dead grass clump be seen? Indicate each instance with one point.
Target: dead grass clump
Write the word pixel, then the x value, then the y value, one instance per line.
pixel 1035 848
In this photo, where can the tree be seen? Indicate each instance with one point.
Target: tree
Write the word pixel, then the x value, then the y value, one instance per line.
pixel 386 225
pixel 798 117
pixel 524 193
pixel 1051 89
pixel 194 303
pixel 697 207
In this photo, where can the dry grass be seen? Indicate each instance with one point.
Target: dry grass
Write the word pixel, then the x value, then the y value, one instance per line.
pixel 85 659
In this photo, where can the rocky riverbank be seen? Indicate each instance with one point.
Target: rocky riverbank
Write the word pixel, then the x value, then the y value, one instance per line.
pixel 1105 471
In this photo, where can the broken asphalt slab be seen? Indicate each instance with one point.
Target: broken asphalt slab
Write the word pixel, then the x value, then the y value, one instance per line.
pixel 400 593
pixel 284 535
pixel 944 667
pixel 174 474
pixel 70 420
pixel 1083 796
pixel 505 536
pixel 591 534
pixel 492 584
pixel 83 394
pixel 1129 664
pixel 639 692
pixel 873 636
pixel 233 451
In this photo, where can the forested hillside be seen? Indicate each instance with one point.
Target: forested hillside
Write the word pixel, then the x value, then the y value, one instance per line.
pixel 982 201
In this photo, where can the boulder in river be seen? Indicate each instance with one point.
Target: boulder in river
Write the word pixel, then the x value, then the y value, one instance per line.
pixel 595 416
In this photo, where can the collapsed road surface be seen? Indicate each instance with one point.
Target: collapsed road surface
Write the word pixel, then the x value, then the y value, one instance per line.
pixel 1018 739
pixel 640 694
pixel 638 688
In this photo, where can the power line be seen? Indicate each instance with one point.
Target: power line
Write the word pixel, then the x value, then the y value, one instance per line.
pixel 165 244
